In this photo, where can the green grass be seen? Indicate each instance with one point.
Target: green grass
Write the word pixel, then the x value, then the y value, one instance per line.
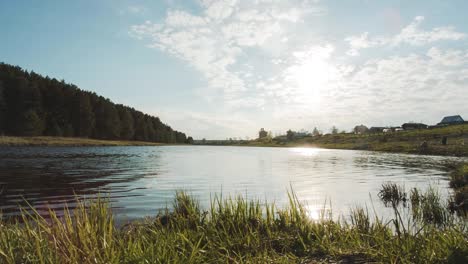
pixel 67 141
pixel 400 142
pixel 232 230
pixel 459 183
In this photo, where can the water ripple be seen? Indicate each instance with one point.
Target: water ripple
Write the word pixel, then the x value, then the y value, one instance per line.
pixel 142 180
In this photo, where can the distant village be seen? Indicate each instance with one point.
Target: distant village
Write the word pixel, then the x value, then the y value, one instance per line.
pixel 362 129
pixel 263 134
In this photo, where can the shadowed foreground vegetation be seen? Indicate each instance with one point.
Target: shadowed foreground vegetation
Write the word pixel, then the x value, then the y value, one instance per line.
pixel 68 141
pixel 459 184
pixel 241 231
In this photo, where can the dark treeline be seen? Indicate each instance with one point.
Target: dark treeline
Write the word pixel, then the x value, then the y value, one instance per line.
pixel 33 105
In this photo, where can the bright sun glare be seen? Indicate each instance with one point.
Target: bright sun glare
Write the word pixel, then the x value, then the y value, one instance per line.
pixel 313 73
pixel 306 151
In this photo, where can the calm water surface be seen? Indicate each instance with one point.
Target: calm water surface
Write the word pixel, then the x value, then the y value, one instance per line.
pixel 142 180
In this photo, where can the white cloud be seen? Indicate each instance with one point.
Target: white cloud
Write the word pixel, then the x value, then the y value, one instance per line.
pixel 362 42
pixel 387 91
pixel 448 58
pixel 412 34
pixel 219 10
pixel 407 87
pixel 212 42
pixel 133 9
pixel 262 72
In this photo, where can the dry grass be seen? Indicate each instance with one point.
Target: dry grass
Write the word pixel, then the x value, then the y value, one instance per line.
pixel 68 141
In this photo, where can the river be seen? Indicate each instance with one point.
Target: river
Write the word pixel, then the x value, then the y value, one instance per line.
pixel 140 181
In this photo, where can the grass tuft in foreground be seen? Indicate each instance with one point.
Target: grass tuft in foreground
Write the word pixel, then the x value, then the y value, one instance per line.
pixel 459 183
pixel 392 194
pixel 233 230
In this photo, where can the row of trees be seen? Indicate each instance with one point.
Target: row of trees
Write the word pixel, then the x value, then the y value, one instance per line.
pixel 290 134
pixel 33 105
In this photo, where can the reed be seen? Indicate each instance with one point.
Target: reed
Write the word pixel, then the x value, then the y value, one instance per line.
pixel 232 230
pixel 392 194
pixel 459 183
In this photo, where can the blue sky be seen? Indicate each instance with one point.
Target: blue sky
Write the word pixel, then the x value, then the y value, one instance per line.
pixel 225 68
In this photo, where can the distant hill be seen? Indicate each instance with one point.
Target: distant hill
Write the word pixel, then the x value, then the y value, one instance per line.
pixel 33 105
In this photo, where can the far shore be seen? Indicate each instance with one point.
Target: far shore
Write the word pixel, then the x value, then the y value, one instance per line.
pixel 444 141
pixel 423 142
pixel 69 142
pixel 403 148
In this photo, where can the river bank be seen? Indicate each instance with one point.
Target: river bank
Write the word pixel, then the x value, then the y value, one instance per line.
pixel 68 142
pixel 421 229
pixel 423 141
pixel 240 231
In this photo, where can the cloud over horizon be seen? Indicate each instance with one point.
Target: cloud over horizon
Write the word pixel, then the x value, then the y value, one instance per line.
pixel 411 34
pixel 266 65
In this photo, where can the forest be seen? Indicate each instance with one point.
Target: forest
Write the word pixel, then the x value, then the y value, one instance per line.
pixel 33 105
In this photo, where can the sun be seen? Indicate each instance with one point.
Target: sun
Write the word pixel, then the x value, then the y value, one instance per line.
pixel 312 74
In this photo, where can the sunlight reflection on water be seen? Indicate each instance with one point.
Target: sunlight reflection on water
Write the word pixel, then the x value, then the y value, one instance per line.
pixel 142 180
pixel 307 151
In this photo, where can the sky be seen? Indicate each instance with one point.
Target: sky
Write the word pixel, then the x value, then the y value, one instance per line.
pixel 226 68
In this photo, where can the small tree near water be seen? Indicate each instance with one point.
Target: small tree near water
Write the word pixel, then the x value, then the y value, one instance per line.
pixel 290 134
pixel 315 132
pixel 334 130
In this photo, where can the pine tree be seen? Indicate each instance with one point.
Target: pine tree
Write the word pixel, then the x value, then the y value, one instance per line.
pixel 53 129
pixel 107 120
pixel 83 119
pixel 2 109
pixel 30 124
pixel 34 105
pixel 14 87
pixel 150 130
pixel 127 124
pixel 180 137
pixel 141 130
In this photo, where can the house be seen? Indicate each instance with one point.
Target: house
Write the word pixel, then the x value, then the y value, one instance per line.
pixel 412 126
pixel 392 129
pixel 262 133
pixel 451 120
pixel 361 129
pixel 376 129
pixel 301 134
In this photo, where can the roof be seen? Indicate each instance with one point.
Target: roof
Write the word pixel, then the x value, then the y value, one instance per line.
pixel 413 123
pixel 452 119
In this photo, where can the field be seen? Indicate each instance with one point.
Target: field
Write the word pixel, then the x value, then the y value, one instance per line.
pixel 403 142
